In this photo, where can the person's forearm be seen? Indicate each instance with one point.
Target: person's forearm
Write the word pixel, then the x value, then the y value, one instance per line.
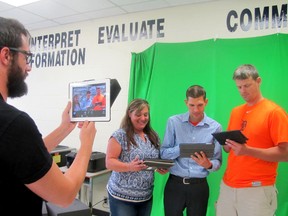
pixel 274 154
pixel 79 166
pixel 118 166
pixel 55 137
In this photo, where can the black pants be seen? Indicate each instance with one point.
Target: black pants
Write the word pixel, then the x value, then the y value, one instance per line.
pixel 179 195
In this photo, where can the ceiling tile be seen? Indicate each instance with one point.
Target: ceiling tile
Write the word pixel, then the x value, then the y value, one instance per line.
pixel 48 9
pixel 127 2
pixel 52 13
pixel 87 5
pixel 110 12
pixel 4 6
pixel 23 16
pixel 144 6
pixel 183 2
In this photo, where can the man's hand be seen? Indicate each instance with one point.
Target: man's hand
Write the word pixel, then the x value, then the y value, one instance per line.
pixel 201 159
pixel 66 120
pixel 239 149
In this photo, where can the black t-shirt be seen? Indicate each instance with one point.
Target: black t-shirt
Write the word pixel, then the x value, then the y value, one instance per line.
pixel 23 159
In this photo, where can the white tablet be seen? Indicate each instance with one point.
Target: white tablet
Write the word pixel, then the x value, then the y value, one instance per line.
pixel 90 100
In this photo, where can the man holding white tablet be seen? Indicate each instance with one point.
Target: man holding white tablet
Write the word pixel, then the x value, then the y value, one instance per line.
pixel 29 174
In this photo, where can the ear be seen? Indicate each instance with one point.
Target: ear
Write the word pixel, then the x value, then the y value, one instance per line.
pixel 5 56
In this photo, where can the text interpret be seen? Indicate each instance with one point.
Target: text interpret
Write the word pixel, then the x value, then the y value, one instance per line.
pixel 265 18
pixel 59 49
pixel 146 29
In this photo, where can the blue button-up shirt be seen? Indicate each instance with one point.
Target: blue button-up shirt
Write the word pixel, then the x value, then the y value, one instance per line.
pixel 180 130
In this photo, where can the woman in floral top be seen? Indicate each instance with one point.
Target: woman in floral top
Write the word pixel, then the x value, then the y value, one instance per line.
pixel 130 186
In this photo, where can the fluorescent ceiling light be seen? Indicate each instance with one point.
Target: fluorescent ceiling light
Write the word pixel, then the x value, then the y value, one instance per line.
pixel 18 3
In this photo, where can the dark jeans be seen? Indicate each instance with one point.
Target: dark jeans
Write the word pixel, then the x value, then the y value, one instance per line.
pixel 193 196
pixel 124 208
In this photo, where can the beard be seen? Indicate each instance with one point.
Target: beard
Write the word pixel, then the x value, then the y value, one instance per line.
pixel 16 85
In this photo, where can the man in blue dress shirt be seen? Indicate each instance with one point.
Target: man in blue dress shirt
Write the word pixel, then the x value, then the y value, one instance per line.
pixel 187 185
pixel 86 103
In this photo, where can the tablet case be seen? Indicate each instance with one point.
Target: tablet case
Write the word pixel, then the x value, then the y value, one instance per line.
pixel 188 149
pixel 156 163
pixel 115 89
pixel 235 135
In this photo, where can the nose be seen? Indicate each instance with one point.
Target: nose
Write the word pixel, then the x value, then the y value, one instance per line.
pixel 28 67
pixel 144 118
pixel 242 90
pixel 195 109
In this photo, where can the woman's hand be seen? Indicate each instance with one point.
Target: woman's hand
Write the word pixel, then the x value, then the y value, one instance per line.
pixel 136 165
pixel 162 171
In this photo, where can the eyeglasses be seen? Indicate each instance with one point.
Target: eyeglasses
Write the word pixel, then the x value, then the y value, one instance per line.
pixel 26 53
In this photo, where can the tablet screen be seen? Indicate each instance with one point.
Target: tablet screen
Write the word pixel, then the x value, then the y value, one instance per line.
pixel 90 100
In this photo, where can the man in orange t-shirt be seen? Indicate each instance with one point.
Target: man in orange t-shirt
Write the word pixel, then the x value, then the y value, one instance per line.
pixel 99 100
pixel 248 186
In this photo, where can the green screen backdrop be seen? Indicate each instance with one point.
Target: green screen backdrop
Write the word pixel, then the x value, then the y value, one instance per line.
pixel 162 73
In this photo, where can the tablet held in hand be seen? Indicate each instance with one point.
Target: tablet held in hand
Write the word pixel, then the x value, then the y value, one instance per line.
pixel 235 135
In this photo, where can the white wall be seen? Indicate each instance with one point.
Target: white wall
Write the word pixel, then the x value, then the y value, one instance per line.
pixel 48 86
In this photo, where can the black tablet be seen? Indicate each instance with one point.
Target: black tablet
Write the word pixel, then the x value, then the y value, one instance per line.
pixel 156 163
pixel 235 135
pixel 188 149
